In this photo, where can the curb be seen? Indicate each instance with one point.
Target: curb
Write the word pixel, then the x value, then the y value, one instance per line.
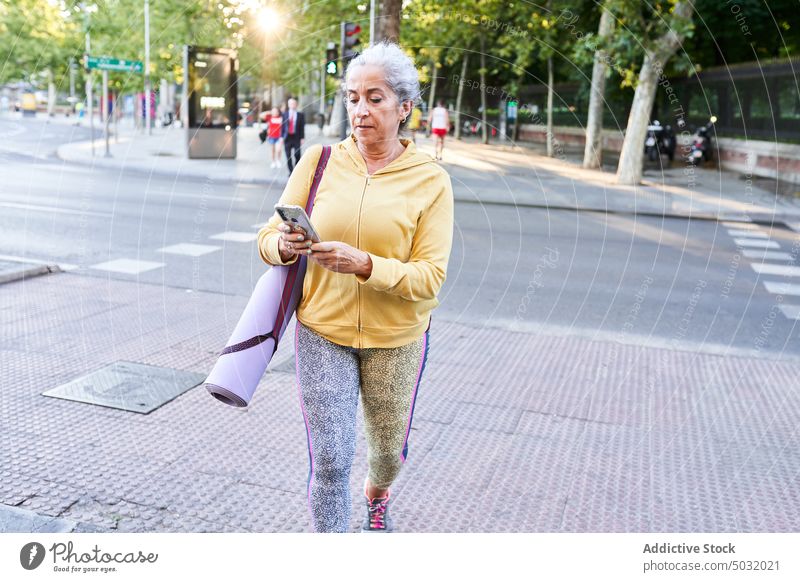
pixel 764 219
pixel 100 162
pixel 29 272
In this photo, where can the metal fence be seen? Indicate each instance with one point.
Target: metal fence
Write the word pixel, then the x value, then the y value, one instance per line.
pixel 753 100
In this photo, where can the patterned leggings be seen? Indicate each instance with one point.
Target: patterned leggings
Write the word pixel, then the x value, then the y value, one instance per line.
pixel 330 379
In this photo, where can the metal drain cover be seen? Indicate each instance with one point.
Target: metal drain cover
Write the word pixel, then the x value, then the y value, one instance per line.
pixel 128 386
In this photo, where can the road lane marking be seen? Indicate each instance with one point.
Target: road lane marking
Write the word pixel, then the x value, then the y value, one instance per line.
pixel 748 233
pixel 196 196
pixel 16 129
pixel 780 288
pixel 766 255
pixel 54 209
pixel 746 225
pixel 791 311
pixel 189 249
pixel 235 236
pixel 757 243
pixel 772 269
pixel 127 266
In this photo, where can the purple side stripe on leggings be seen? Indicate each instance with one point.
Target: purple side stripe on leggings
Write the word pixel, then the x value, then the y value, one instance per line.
pixel 404 451
pixel 308 428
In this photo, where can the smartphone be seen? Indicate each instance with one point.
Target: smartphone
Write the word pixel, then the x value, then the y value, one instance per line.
pixel 296 216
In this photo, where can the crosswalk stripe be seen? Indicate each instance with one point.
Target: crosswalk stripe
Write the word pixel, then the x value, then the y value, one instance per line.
pixel 766 255
pixel 127 266
pixel 772 269
pixel 189 249
pixel 235 236
pixel 791 311
pixel 757 243
pixel 795 226
pixel 748 233
pixel 780 288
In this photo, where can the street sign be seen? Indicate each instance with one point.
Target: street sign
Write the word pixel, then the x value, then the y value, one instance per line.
pixel 112 64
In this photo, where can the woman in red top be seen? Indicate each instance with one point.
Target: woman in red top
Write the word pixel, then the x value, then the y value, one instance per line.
pixel 274 136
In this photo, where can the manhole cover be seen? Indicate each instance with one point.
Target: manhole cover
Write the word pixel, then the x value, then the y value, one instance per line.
pixel 128 386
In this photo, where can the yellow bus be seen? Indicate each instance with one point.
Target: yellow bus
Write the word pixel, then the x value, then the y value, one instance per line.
pixel 28 104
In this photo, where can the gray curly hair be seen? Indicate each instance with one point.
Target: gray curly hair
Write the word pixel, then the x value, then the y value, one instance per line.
pixel 401 73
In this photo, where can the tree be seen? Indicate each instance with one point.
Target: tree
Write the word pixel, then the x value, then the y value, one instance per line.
pixel 550 31
pixel 460 94
pixel 662 36
pixel 388 25
pixel 593 152
pixel 38 39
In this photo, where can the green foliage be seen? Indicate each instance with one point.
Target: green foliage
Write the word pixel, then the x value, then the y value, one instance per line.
pixel 41 36
pixel 744 30
pixel 37 37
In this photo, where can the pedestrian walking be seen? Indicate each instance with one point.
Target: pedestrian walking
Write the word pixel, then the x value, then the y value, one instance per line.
pixel 439 122
pixel 293 134
pixel 384 212
pixel 274 125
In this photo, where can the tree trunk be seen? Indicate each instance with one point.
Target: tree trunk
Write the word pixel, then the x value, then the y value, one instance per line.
pixel 593 153
pixel 484 132
pixel 51 94
pixel 460 93
pixel 388 27
pixel 629 171
pixel 631 157
pixel 549 135
pixel 518 121
pixel 432 96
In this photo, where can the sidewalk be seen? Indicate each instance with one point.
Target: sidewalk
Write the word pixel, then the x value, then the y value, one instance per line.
pixel 498 173
pixel 513 431
pixel 522 175
pixel 164 154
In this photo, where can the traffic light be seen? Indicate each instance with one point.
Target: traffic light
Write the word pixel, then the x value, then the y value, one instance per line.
pixel 332 59
pixel 351 40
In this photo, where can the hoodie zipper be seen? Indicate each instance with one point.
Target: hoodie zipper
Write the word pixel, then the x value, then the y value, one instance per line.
pixel 358 245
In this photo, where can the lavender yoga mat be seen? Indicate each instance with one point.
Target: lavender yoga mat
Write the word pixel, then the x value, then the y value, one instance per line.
pixel 235 376
pixel 241 365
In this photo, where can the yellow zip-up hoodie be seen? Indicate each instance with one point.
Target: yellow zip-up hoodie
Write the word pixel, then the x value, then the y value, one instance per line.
pixel 402 215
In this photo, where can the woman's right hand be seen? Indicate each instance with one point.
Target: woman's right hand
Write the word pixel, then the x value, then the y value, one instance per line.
pixel 292 242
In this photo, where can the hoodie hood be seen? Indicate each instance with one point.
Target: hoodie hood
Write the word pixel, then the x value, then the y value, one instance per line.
pixel 410 158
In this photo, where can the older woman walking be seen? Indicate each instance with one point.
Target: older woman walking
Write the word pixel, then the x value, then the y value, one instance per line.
pixel 384 212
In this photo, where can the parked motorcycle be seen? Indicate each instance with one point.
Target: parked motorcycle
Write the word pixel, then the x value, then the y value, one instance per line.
pixel 660 140
pixel 701 149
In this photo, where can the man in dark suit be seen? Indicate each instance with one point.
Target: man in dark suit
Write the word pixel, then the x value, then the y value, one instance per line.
pixel 293 133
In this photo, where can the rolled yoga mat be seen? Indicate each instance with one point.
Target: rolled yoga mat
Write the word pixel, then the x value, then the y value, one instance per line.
pixel 239 368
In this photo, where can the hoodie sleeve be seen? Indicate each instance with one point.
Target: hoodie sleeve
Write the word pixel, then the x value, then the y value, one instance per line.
pixel 423 275
pixel 295 192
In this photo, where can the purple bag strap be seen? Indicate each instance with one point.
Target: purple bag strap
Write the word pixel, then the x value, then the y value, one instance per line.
pixel 292 275
pixel 312 192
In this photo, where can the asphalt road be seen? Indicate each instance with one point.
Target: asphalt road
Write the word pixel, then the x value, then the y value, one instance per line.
pixel 638 279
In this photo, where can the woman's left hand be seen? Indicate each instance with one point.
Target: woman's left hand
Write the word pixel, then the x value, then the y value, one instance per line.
pixel 341 258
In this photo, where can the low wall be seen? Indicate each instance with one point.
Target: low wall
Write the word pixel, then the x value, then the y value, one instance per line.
pixel 748 157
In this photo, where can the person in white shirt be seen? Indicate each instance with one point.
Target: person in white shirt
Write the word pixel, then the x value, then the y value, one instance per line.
pixel 439 122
